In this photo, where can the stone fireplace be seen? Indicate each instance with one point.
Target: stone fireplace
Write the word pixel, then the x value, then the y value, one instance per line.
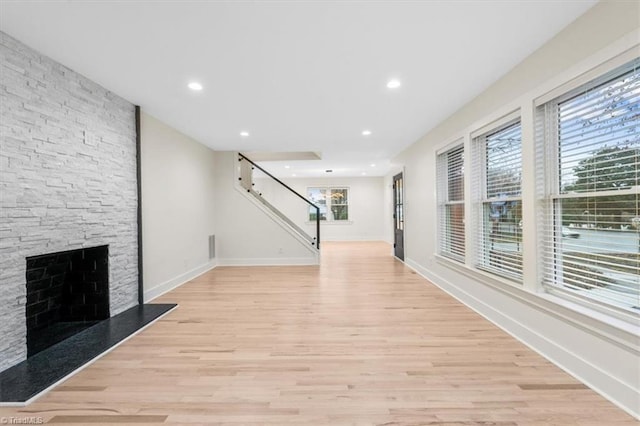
pixel 66 293
pixel 68 182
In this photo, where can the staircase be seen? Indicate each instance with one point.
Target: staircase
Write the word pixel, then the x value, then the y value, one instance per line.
pixel 247 171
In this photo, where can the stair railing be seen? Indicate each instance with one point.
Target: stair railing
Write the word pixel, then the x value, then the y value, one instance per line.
pixel 247 183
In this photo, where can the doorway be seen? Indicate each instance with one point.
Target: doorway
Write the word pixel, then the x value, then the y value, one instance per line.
pixel 398 216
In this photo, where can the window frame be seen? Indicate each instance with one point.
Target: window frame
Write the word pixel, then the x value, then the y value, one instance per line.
pixel 445 204
pixel 329 216
pixel 550 191
pixel 480 197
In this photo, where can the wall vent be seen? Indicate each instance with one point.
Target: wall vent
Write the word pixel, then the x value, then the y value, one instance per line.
pixel 212 246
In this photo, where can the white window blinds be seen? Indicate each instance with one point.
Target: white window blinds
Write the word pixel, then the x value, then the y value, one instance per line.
pixel 591 223
pixel 451 203
pixel 498 207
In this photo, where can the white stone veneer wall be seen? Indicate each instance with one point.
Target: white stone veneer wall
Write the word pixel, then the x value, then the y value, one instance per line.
pixel 67 180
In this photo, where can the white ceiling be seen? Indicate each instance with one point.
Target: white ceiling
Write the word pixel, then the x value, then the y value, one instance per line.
pixel 299 76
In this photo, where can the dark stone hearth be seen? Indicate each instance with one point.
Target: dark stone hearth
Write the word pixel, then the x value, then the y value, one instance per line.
pixel 66 293
pixel 26 380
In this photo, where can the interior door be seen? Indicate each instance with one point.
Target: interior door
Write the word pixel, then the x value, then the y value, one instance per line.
pixel 398 216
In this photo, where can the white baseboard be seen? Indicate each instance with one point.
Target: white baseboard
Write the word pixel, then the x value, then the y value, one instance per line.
pixel 616 391
pixel 169 285
pixel 269 261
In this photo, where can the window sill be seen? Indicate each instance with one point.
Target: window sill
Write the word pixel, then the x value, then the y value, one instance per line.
pixel 622 329
pixel 476 273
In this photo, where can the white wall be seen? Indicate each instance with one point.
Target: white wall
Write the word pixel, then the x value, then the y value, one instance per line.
pixel 246 234
pixel 178 206
pixel 600 351
pixel 367 207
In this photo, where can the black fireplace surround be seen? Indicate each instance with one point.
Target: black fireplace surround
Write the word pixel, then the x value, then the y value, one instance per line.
pixel 67 292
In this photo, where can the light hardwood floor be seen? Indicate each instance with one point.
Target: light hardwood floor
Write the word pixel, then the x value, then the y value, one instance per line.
pixel 359 340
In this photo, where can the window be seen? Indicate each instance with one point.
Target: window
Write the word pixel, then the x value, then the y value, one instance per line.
pixel 592 216
pixel 450 165
pixel 333 203
pixel 498 207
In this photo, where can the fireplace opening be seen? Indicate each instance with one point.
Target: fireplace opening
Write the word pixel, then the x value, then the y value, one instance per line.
pixel 67 292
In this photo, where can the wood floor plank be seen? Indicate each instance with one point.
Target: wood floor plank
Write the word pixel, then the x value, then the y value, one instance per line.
pixel 552 386
pixel 360 339
pixel 80 388
pixel 108 419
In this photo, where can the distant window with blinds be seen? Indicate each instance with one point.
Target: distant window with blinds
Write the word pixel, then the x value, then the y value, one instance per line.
pixel 450 165
pixel 592 218
pixel 498 207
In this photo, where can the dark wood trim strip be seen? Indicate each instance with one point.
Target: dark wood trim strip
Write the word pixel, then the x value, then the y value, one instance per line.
pixel 139 182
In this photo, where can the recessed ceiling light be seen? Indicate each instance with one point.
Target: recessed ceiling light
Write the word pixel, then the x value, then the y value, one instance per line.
pixel 244 134
pixel 366 132
pixel 394 84
pixel 194 85
pixel 287 167
pixel 364 173
pixel 294 175
pixel 373 165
